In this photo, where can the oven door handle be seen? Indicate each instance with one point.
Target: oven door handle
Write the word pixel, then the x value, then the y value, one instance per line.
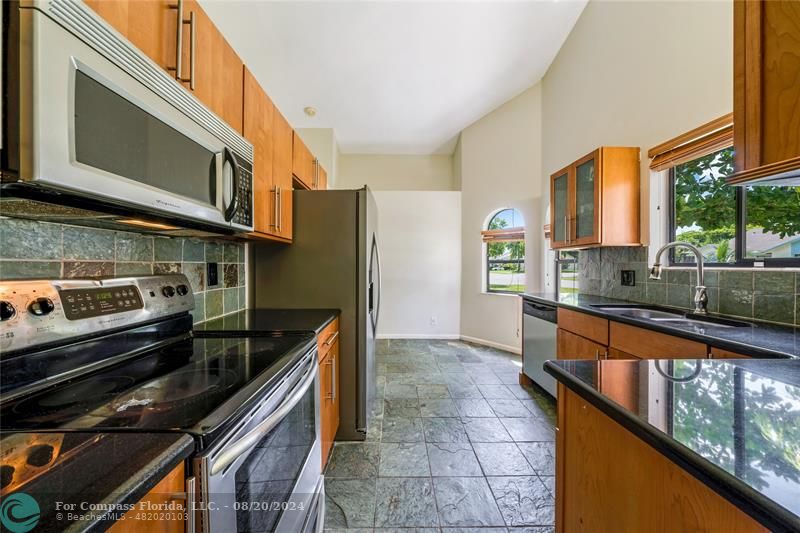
pixel 244 444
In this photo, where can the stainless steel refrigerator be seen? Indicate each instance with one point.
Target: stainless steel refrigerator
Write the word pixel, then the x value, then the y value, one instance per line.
pixel 333 262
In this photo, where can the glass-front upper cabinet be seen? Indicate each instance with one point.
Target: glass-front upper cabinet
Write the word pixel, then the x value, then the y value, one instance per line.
pixel 587 196
pixel 595 200
pixel 559 200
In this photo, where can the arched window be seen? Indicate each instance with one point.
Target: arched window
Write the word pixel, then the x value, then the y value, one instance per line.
pixel 504 239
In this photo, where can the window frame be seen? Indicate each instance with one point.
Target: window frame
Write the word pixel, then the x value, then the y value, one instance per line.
pixel 489 289
pixel 740 254
pixel 562 261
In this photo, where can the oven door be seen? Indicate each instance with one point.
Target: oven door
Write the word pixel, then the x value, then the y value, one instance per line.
pixel 267 475
pixel 90 127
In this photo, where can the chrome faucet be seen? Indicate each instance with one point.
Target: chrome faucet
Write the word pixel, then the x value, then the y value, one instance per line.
pixel 700 294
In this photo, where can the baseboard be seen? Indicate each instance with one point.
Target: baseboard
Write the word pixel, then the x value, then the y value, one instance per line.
pixel 492 344
pixel 445 336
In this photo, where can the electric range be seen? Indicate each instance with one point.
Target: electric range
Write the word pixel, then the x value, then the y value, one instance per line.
pixel 120 355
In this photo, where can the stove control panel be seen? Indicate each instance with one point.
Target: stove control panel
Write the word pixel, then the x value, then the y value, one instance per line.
pixel 39 312
pixel 87 303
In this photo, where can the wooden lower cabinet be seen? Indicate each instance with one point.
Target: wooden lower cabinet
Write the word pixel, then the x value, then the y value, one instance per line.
pixel 719 353
pixel 160 496
pixel 328 349
pixel 601 489
pixel 613 353
pixel 647 344
pixel 588 326
pixel 571 346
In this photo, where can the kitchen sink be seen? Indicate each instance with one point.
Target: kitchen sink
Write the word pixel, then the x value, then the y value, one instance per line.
pixel 669 317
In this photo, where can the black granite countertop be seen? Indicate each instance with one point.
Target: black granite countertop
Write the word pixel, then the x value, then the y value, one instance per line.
pixel 758 339
pixel 733 424
pixel 102 470
pixel 272 320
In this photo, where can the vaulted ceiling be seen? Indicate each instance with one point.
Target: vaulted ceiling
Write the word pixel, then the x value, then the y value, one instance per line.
pixel 400 77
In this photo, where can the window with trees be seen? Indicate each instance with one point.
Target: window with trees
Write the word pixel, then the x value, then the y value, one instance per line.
pixel 732 225
pixel 504 239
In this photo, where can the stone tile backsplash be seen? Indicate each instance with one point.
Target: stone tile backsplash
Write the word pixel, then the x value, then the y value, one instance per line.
pixel 42 250
pixel 761 294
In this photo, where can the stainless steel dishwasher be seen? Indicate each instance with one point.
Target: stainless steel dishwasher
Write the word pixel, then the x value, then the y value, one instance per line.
pixel 538 341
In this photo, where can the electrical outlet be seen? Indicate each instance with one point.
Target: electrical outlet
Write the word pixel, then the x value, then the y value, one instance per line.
pixel 212 274
pixel 434 321
pixel 628 278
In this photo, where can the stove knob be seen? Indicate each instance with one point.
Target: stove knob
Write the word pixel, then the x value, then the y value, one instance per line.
pixel 41 306
pixel 168 291
pixel 7 311
pixel 183 290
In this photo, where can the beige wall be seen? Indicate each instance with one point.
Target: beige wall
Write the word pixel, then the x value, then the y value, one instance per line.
pixel 419 233
pixel 636 74
pixel 500 167
pixel 396 172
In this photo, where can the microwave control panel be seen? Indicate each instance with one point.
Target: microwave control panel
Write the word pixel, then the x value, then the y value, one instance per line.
pixel 244 215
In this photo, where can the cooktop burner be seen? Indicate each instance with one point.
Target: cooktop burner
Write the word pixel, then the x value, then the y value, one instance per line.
pixel 184 386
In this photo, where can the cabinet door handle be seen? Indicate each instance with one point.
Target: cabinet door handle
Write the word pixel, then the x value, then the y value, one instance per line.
pixel 331 338
pixel 566 233
pixel 597 355
pixel 280 209
pixel 192 48
pixel 569 229
pixel 189 498
pixel 179 45
pixel 178 40
pixel 332 364
pixel 275 208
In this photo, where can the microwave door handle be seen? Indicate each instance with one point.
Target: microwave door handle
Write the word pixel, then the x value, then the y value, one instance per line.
pixel 241 446
pixel 227 156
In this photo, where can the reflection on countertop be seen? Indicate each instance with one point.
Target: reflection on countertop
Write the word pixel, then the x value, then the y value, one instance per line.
pixel 758 339
pixel 737 422
pixel 271 320
pixel 101 470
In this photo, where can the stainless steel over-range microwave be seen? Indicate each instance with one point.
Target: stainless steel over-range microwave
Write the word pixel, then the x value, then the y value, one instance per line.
pixel 91 121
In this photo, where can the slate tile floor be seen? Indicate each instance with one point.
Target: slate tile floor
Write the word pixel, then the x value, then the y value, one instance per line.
pixel 456 446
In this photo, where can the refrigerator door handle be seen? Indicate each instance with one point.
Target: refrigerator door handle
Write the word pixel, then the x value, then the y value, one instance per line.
pixel 380 283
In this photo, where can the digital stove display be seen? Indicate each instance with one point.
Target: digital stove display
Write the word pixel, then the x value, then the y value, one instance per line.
pixel 87 303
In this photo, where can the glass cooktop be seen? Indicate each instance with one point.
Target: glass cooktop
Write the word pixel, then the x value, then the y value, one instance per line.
pixel 183 386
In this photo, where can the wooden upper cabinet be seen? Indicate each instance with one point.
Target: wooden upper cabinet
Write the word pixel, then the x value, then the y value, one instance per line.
pixel 258 124
pixel 595 200
pixel 210 68
pixel 218 76
pixel 303 163
pixel 149 24
pixel 766 92
pixel 282 172
pixel 322 178
pixel 559 210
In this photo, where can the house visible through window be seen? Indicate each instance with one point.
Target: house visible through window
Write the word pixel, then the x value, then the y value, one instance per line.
pixel 505 252
pixel 732 225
